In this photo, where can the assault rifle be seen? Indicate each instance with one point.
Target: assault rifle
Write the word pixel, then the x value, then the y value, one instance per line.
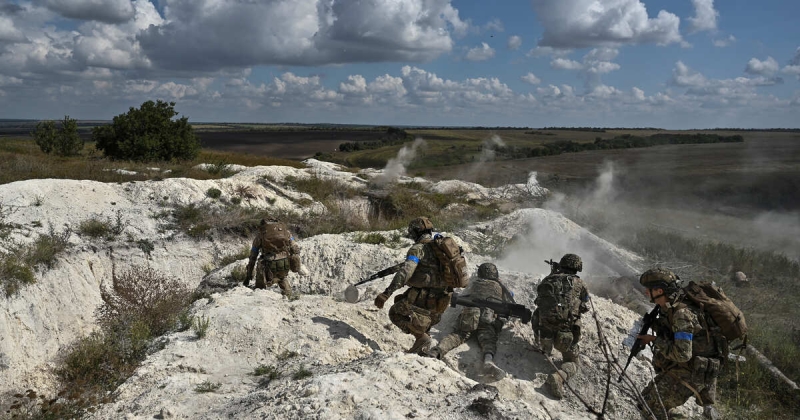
pixel 639 345
pixel 502 309
pixel 351 293
pixel 554 266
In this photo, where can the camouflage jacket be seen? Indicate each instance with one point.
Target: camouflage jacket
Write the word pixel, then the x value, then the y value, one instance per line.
pixel 681 335
pixel 485 289
pixel 292 249
pixel 421 268
pixel 577 297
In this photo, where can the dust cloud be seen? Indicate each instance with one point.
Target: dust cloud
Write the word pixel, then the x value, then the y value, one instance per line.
pixel 396 166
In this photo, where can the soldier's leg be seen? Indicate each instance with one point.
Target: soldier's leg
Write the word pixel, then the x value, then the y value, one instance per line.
pixel 487 337
pixel 671 392
pixel 545 340
pixel 414 321
pixel 284 284
pixel 448 343
pixel 572 352
pixel 261 275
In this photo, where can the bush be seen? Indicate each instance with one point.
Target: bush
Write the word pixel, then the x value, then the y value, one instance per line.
pixel 63 142
pixel 14 273
pixel 213 193
pixel 200 326
pixel 302 373
pixel 46 248
pixel 207 386
pixel 148 134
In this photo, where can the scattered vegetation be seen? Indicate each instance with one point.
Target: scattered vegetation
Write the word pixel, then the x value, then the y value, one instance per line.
pixel 269 371
pixel 286 355
pixel 213 193
pixel 302 373
pixel 147 246
pixel 148 134
pixel 96 227
pixel 393 136
pixel 200 326
pixel 18 262
pixel 207 386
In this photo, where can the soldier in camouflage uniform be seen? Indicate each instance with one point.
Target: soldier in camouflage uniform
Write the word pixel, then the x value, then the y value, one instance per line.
pixel 483 322
pixel 560 301
pixel 421 306
pixel 279 255
pixel 688 349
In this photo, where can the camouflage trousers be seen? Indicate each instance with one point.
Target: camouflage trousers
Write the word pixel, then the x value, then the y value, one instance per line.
pixel 417 318
pixel 567 342
pixel 674 393
pixel 271 272
pixel 486 333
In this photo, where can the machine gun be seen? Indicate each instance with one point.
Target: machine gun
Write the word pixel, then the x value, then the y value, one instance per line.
pixel 555 267
pixel 638 345
pixel 502 309
pixel 351 293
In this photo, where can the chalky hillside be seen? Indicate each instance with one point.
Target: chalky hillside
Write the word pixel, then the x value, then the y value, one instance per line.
pixel 246 353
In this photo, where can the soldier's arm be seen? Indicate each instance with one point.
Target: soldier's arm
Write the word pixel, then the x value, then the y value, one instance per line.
pixel 294 248
pixel 399 280
pixel 679 348
pixel 253 256
pixel 584 297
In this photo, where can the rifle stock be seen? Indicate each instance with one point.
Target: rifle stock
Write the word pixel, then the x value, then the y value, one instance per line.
pixel 638 345
pixel 502 309
pixel 554 266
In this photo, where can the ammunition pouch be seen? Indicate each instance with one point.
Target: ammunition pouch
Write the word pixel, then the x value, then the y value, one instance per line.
pixel 704 369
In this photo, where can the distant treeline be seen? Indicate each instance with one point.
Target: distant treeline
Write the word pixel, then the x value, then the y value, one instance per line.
pixel 775 130
pixel 391 137
pixel 625 141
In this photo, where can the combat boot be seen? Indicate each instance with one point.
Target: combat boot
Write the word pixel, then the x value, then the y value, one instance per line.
pixel 547 346
pixel 421 345
pixel 434 352
pixel 555 383
pixel 491 370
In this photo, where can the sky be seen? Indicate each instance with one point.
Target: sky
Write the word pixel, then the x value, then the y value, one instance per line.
pixel 526 63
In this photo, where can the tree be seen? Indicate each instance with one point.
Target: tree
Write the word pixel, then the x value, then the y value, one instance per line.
pixel 148 134
pixel 63 142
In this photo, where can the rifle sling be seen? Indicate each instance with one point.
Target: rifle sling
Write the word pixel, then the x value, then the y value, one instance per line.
pixel 687 385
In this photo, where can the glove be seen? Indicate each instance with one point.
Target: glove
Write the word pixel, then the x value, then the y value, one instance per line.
pixel 304 271
pixel 381 299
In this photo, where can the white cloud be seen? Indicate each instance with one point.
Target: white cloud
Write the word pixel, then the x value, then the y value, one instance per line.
pixel 540 51
pixel 724 42
pixel 109 11
pixel 705 16
pixel 595 62
pixel 494 25
pixel 514 42
pixel 683 76
pixel 638 94
pixel 565 64
pixel 356 85
pixel 551 91
pixel 793 67
pixel 531 78
pixel 208 34
pixel 722 91
pixel 480 53
pixel 758 67
pixel 589 23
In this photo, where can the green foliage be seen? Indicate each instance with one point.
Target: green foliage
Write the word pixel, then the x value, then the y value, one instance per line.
pixel 146 246
pixel 200 326
pixel 14 273
pixel 148 134
pixel 207 386
pixel 213 193
pixel 393 136
pixel 269 371
pixel 46 248
pixel 238 274
pixel 244 252
pixel 373 238
pixel 63 142
pixel 96 227
pixel 302 373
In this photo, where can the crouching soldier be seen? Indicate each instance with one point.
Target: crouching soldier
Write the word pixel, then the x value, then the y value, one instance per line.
pixel 279 255
pixel 560 301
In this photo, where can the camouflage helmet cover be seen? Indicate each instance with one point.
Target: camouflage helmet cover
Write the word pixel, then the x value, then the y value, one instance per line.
pixel 658 278
pixel 571 262
pixel 488 271
pixel 419 225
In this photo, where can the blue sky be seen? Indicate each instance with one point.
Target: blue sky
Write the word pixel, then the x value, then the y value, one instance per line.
pixel 671 64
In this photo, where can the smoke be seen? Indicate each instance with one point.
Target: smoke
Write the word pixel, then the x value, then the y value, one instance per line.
pixel 779 231
pixel 533 187
pixel 396 166
pixel 487 148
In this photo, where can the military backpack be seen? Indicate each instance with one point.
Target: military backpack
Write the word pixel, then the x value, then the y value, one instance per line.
pixel 713 301
pixel 553 300
pixel 275 237
pixel 451 260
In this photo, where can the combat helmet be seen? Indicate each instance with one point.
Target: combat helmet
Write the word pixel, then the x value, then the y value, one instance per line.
pixel 488 271
pixel 419 226
pixel 658 278
pixel 571 262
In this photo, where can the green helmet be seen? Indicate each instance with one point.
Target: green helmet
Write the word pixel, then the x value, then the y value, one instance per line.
pixel 488 271
pixel 571 262
pixel 419 226
pixel 658 278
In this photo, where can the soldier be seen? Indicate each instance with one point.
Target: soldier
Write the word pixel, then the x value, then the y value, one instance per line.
pixel 481 321
pixel 279 255
pixel 560 301
pixel 686 355
pixel 421 306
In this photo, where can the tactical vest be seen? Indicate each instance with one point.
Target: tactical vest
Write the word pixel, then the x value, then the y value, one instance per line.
pixel 427 274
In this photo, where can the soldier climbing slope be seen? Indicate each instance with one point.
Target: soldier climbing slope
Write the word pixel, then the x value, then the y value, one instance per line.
pixel 483 322
pixel 560 301
pixel 433 267
pixel 279 255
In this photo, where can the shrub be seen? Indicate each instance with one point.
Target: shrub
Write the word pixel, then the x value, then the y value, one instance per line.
pixel 94 228
pixel 207 386
pixel 373 238
pixel 200 326
pixel 213 193
pixel 146 246
pixel 46 248
pixel 148 134
pixel 302 373
pixel 267 370
pixel 14 273
pixel 63 142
